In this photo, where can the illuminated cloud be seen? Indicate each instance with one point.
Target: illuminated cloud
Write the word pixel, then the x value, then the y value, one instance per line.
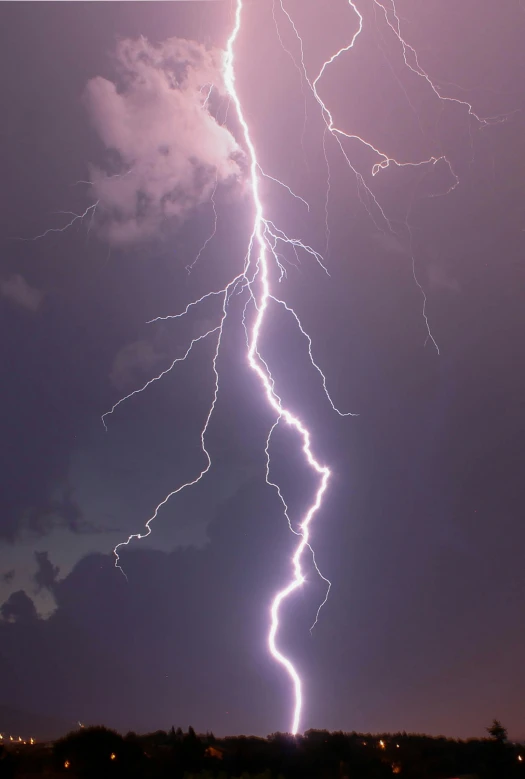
pixel 166 150
pixel 16 289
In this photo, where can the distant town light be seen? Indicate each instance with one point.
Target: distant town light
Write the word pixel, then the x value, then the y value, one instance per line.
pixel 31 740
pixel 520 758
pixel 382 744
pixel 112 756
pixel 67 764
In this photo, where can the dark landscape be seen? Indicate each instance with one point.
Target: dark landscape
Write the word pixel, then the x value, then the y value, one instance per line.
pixel 319 754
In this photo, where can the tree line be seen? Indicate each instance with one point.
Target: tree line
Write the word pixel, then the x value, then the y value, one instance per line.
pixel 318 754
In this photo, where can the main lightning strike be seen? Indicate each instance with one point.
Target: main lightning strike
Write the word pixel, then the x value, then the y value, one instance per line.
pixel 256 279
pixel 262 296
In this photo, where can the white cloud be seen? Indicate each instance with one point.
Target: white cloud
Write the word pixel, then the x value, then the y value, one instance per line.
pixel 171 150
pixel 16 289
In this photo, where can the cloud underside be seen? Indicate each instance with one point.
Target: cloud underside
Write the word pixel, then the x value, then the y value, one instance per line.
pixel 166 151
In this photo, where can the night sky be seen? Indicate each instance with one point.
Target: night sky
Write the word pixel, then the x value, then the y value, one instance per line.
pixel 422 531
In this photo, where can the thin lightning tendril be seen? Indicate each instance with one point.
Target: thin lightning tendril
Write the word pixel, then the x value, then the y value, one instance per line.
pixel 204 430
pixel 365 194
pixel 75 218
pixel 157 378
pixel 211 236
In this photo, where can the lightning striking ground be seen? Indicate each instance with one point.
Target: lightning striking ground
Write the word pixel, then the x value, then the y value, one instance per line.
pixel 256 278
pixel 262 268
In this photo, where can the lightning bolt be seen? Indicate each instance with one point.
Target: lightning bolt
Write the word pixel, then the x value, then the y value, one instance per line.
pixel 262 261
pixel 263 267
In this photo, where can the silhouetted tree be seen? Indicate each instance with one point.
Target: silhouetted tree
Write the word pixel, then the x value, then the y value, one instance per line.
pixel 98 751
pixel 318 754
pixel 7 764
pixel 498 732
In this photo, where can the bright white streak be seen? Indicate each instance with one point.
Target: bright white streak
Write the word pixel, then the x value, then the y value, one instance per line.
pixel 262 297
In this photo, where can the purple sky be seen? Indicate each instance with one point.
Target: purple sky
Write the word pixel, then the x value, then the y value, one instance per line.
pixel 422 533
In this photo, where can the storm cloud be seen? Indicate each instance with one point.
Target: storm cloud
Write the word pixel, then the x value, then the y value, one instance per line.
pixel 166 150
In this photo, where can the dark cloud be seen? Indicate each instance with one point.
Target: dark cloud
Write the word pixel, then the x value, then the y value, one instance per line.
pixel 8 576
pixel 19 608
pixel 44 516
pixel 58 512
pixel 184 620
pixel 47 574
pixel 39 425
pixel 105 628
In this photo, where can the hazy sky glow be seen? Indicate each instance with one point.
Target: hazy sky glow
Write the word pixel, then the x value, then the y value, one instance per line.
pixel 422 530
